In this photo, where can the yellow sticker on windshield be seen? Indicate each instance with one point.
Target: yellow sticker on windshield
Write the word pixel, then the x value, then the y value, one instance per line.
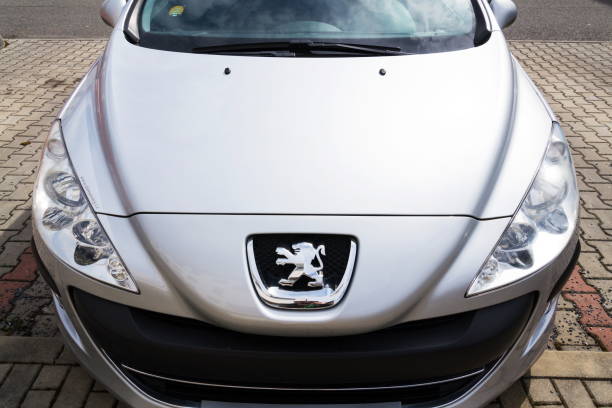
pixel 176 11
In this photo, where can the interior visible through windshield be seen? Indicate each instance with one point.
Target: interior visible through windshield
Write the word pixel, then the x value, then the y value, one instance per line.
pixel 420 25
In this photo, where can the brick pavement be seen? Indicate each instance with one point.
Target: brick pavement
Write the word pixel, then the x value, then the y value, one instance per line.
pixel 36 77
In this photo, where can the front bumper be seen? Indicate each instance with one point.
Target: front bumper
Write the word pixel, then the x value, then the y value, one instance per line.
pixel 396 360
pixel 482 385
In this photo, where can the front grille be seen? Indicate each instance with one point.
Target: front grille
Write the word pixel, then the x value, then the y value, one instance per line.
pixel 178 391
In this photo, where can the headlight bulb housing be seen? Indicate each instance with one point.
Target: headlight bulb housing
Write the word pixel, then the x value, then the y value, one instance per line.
pixel 543 225
pixel 66 222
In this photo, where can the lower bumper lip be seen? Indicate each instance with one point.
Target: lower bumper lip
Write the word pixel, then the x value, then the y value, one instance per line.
pixel 475 373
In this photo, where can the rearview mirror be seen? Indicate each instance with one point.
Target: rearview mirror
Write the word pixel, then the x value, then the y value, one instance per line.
pixel 505 12
pixel 111 11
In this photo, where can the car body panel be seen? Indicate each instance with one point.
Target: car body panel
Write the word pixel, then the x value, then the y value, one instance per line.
pixel 376 145
pixel 424 166
pixel 203 257
pixel 224 296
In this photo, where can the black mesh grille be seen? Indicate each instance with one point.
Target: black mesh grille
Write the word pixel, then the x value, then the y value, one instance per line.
pixel 337 250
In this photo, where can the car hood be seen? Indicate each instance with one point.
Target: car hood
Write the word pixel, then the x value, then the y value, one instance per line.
pixel 161 132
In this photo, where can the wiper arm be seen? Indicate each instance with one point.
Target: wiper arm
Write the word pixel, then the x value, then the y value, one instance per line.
pixel 299 47
pixel 258 48
pixel 358 48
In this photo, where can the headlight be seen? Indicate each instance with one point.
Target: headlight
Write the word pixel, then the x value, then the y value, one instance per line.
pixel 543 225
pixel 65 221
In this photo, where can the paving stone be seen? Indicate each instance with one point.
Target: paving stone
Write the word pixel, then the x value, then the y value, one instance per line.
pixel 586 247
pixel 601 391
pixel 75 389
pixel 38 290
pixel 591 201
pixel 604 190
pixel 4 370
pixel 604 287
pixel 592 266
pixel 25 235
pixel 603 335
pixel 50 377
pixel 590 307
pixel 550 406
pixel 29 349
pixel 100 400
pixel 576 283
pixel 12 250
pixel 4 269
pixel 565 347
pixel 574 394
pixel 572 364
pixel 6 235
pixel 98 387
pixel 66 357
pixel 515 397
pixel 44 326
pixel 541 391
pixel 604 216
pixel 25 269
pixel 591 176
pixel 605 249
pixel 38 399
pixel 591 229
pixel 16 219
pixel 569 331
pixel 17 384
pixel 24 312
pixel 564 304
pixel 9 291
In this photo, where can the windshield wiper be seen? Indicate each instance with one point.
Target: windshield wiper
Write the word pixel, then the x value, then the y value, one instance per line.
pixel 280 48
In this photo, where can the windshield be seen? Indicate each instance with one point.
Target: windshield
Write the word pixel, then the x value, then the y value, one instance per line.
pixel 414 26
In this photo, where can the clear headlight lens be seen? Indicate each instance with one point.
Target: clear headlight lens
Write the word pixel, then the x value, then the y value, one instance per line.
pixel 543 225
pixel 66 222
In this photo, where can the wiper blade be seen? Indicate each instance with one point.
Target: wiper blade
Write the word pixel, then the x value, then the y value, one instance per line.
pixel 359 48
pixel 299 47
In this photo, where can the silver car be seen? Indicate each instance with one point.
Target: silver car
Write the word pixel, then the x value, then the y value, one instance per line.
pixel 306 202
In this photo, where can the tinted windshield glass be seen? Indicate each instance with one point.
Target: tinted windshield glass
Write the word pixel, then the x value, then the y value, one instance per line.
pixel 413 25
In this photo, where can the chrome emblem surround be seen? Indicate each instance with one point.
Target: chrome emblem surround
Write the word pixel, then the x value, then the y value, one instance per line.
pixel 304 253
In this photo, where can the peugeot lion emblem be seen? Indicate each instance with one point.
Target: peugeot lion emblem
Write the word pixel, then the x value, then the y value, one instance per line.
pixel 301 271
pixel 305 254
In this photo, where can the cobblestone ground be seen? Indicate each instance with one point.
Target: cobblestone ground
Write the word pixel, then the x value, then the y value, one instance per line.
pixel 36 77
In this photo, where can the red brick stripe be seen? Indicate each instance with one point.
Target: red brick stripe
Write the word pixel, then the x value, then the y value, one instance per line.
pixel 13 282
pixel 595 319
pixel 25 269
pixel 8 291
